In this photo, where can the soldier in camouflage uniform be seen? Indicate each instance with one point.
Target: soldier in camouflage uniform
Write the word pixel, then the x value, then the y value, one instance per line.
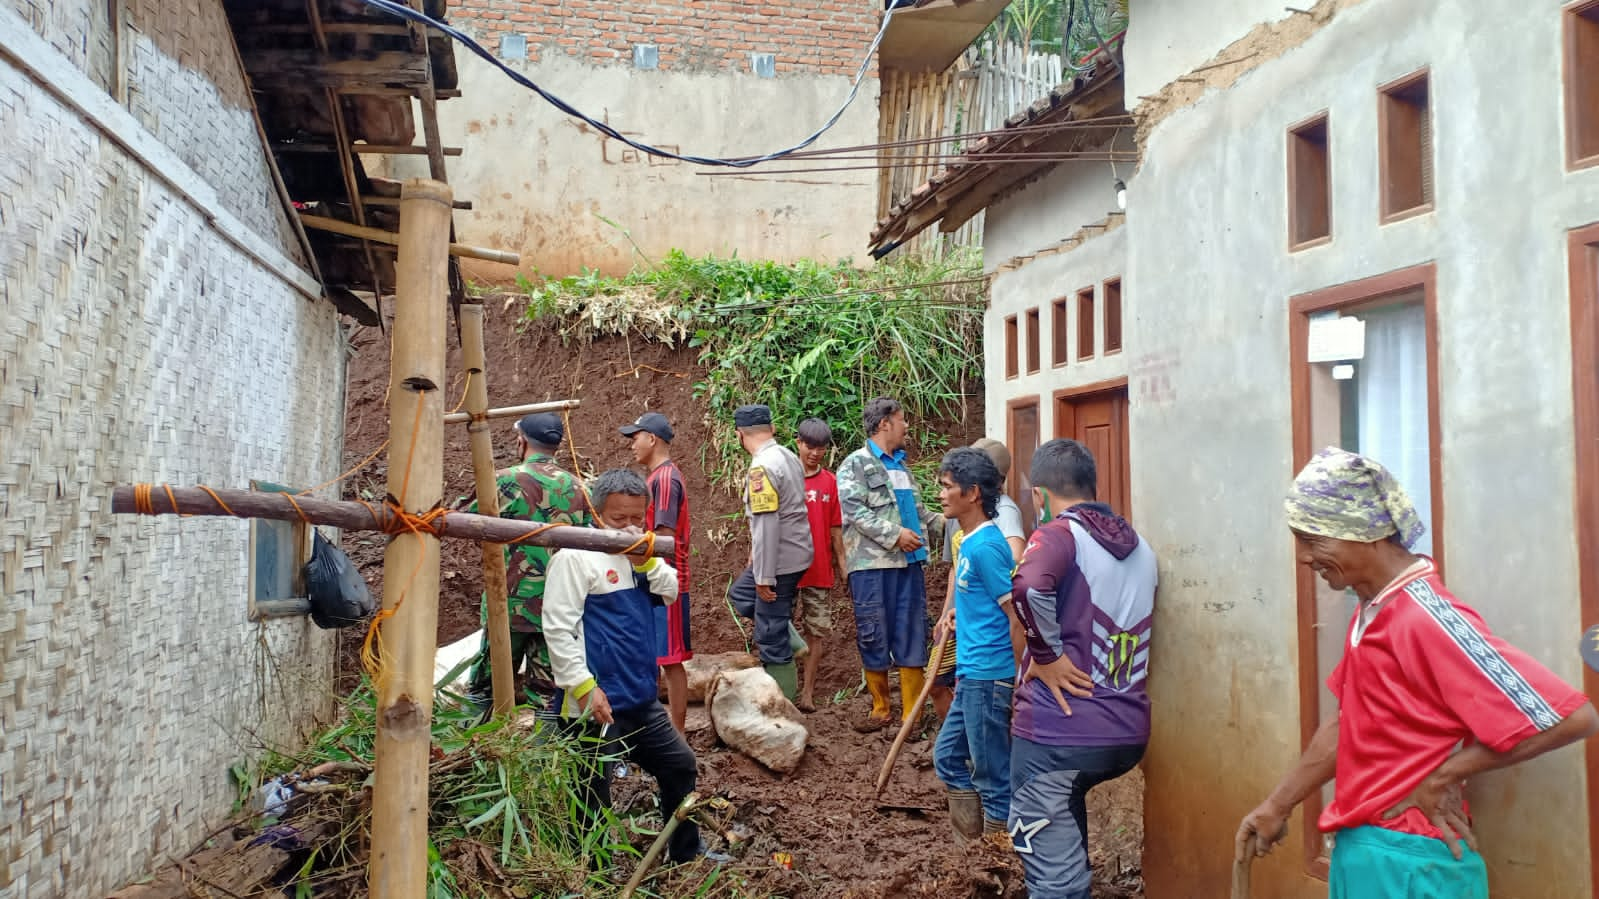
pixel 885 547
pixel 538 491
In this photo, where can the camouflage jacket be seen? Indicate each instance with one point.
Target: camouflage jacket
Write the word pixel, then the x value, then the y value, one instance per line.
pixel 871 515
pixel 539 491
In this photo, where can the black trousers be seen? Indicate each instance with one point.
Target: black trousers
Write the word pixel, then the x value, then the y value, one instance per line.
pixel 644 736
pixel 770 618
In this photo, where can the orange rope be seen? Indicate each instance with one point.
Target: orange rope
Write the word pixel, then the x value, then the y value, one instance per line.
pixel 355 468
pixel 213 496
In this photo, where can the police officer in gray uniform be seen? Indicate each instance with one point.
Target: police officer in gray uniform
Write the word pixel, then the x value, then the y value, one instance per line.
pixel 780 542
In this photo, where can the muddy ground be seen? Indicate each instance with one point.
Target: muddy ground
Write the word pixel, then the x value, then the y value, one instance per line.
pixel 842 843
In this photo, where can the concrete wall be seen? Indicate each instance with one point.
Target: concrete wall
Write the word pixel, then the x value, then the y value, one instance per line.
pixel 1070 196
pixel 157 328
pixel 1169 38
pixel 544 184
pixel 1037 285
pixel 1211 453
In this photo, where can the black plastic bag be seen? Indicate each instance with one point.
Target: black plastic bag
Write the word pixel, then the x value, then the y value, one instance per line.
pixel 339 595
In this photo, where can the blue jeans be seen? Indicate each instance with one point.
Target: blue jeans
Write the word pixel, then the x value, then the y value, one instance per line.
pixel 973 748
pixel 1049 810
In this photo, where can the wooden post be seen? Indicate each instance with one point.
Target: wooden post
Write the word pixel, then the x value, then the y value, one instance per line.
pixel 488 503
pixel 411 563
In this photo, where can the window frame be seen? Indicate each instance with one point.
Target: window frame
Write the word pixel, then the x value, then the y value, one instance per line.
pixel 1583 271
pixel 1349 297
pixel 1111 287
pixel 1060 352
pixel 1580 107
pixel 1391 97
pixel 1086 351
pixel 1012 348
pixel 1296 181
pixel 1034 358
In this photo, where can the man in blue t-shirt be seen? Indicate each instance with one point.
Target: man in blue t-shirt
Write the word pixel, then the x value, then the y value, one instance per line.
pixel 972 755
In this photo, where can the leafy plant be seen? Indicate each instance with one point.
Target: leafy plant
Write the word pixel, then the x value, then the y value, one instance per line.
pixel 806 338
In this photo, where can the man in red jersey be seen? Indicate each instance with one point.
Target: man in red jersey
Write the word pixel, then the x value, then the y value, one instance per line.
pixel 1427 697
pixel 812 440
pixel 649 438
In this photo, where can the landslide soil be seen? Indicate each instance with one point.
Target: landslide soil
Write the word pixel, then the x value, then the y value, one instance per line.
pixel 842 841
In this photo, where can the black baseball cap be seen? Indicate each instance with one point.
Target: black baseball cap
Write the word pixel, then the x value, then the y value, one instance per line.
pixel 751 415
pixel 542 427
pixel 653 422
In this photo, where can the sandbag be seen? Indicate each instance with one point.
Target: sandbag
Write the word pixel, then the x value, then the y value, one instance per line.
pixel 703 669
pixel 750 713
pixel 339 595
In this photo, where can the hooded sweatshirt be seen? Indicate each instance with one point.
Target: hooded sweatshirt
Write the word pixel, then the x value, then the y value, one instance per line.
pixel 1085 589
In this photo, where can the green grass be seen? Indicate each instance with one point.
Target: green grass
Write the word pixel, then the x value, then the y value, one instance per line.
pixel 807 338
pixel 505 816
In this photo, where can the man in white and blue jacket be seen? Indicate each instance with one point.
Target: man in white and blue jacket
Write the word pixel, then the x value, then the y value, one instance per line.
pixel 599 619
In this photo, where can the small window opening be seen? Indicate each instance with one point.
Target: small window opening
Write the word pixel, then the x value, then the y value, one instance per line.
pixel 1085 323
pixel 1309 183
pixel 1582 84
pixel 1059 349
pixel 1405 136
pixel 1010 347
pixel 1113 315
pixel 1032 340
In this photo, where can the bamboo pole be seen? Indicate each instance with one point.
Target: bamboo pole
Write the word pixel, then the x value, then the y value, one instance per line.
pixel 339 226
pixel 453 418
pixel 359 516
pixel 488 503
pixel 411 562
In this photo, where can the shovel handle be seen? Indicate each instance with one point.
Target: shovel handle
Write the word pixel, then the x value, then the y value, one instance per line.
pixel 910 720
pixel 1241 869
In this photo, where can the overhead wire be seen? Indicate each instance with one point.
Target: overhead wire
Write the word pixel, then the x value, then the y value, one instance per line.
pixel 402 11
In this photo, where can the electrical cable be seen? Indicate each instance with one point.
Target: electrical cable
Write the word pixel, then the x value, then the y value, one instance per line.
pixel 402 11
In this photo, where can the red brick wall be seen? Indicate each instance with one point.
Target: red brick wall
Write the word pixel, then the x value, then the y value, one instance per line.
pixel 806 36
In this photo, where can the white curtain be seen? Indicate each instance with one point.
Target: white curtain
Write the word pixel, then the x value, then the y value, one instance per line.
pixel 1392 390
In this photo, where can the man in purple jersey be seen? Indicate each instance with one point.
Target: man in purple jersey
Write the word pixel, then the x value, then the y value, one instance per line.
pixel 1085 594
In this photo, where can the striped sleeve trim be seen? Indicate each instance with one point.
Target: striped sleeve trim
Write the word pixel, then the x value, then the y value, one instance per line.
pixel 1482 654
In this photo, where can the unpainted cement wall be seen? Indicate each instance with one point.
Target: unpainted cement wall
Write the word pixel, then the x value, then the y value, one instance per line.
pixel 1037 285
pixel 141 343
pixel 566 196
pixel 1169 38
pixel 1212 453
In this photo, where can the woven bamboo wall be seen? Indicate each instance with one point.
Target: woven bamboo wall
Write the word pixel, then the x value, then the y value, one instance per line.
pixel 138 344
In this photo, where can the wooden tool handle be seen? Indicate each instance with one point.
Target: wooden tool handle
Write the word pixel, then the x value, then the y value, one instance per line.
pixel 910 720
pixel 1241 869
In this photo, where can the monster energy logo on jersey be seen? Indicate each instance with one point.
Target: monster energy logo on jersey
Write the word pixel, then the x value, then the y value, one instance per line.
pixel 1120 652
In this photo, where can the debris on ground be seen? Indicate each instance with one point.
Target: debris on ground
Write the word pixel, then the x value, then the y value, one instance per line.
pixel 704 667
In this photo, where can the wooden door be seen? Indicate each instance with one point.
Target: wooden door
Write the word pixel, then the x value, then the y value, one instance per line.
pixel 1098 420
pixel 1021 437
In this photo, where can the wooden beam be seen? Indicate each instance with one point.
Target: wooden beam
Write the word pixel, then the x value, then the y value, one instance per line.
pixel 379 91
pixel 341 134
pixel 451 418
pixel 427 99
pixel 372 200
pixel 339 226
pixel 358 516
pixel 363 149
pixel 318 68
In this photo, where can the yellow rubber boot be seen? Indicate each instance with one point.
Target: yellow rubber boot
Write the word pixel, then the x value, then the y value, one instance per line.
pixel 877 685
pixel 910 690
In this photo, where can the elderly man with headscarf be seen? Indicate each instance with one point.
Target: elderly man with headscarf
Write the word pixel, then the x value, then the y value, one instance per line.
pixel 1427 697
